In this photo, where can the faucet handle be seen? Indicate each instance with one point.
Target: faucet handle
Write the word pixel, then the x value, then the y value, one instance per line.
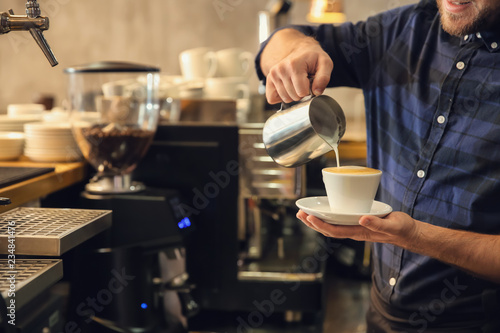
pixel 32 9
pixel 42 42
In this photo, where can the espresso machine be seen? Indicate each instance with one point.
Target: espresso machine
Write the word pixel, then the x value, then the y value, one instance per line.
pixel 246 245
pixel 132 278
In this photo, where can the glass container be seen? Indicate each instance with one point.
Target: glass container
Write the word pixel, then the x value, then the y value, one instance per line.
pixel 114 111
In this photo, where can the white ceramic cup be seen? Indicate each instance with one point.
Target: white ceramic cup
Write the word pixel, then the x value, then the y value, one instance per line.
pixel 234 62
pixel 200 62
pixel 227 88
pixel 351 189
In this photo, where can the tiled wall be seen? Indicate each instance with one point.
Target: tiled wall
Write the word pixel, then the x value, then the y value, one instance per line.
pixel 146 31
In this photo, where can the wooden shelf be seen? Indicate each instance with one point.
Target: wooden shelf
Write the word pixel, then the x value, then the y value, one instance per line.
pixel 64 175
pixel 350 150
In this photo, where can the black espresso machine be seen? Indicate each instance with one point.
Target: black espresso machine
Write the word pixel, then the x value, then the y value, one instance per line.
pixel 235 288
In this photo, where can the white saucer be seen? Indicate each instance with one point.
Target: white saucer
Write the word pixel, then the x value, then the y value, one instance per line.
pixel 319 207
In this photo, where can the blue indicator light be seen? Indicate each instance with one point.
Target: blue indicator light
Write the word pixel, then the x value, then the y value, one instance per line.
pixel 184 223
pixel 144 306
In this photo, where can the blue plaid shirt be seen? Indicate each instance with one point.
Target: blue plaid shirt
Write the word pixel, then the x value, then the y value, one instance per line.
pixel 433 122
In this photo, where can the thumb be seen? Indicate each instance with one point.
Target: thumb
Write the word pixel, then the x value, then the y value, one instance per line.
pixel 375 224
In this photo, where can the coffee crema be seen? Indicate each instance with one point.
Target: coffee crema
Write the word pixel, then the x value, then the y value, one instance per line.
pixel 352 170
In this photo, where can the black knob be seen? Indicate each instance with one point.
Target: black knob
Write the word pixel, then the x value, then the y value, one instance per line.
pixel 4 201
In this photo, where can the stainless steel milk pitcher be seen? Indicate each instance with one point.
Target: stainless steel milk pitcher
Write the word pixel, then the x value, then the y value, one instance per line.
pixel 304 130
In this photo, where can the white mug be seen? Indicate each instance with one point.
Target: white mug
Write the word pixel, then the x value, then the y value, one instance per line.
pixel 226 88
pixel 199 62
pixel 234 62
pixel 351 189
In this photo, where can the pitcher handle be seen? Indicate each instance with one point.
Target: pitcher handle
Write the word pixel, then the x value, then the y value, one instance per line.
pixel 285 106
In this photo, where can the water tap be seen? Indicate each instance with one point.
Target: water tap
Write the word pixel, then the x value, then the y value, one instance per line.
pixel 32 22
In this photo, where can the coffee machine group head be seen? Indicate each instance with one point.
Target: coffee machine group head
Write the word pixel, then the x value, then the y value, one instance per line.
pixel 32 22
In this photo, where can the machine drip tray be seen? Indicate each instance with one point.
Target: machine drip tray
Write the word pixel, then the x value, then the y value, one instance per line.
pixel 279 276
pixel 49 231
pixel 31 277
pixel 294 257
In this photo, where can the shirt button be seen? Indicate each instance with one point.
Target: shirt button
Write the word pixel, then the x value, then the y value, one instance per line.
pixel 494 45
pixel 460 65
pixel 441 119
pixel 478 35
pixel 421 174
pixel 392 282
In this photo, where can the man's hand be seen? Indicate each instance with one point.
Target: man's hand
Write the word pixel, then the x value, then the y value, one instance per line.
pixel 396 228
pixel 289 60
pixel 473 252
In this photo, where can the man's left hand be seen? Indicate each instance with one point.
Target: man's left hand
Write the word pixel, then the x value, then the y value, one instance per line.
pixel 396 228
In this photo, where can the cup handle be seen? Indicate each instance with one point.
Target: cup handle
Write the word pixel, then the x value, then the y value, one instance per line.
pixel 246 59
pixel 211 58
pixel 244 91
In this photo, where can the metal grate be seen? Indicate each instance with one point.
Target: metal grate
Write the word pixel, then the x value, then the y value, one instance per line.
pixel 25 269
pixel 50 231
pixel 31 277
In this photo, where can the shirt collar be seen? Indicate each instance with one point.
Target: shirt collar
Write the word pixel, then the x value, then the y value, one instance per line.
pixel 491 39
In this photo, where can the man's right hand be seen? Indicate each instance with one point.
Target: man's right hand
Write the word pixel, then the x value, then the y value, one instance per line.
pixel 289 61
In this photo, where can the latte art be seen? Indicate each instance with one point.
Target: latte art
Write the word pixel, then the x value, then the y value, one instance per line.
pixel 352 170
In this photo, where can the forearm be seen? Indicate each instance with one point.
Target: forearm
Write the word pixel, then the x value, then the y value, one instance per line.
pixel 476 253
pixel 281 44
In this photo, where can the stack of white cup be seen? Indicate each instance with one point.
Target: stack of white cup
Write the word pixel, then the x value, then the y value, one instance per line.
pixel 225 74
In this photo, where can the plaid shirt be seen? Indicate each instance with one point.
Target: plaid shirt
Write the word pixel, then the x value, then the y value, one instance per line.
pixel 433 122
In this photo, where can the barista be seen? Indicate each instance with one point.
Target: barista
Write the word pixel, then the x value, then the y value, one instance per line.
pixel 430 75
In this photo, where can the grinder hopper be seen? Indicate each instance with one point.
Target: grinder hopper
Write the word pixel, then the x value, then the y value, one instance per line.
pixel 114 116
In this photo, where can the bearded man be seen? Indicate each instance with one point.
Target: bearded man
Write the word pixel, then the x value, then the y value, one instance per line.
pixel 430 74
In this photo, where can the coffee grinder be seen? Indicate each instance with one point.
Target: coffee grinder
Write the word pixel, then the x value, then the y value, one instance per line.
pixel 114 115
pixel 135 272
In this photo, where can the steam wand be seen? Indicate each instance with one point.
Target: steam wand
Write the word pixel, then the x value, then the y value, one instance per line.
pixel 32 22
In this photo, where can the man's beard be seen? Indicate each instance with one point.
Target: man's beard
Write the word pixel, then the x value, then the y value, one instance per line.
pixel 461 25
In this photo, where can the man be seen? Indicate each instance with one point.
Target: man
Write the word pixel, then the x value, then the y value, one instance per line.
pixel 430 74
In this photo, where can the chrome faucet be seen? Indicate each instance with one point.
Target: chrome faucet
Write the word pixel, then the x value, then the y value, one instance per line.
pixel 32 22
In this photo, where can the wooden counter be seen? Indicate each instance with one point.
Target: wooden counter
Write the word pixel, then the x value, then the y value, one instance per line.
pixel 64 175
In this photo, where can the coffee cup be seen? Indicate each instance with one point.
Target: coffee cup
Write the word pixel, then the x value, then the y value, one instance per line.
pixel 234 62
pixel 200 62
pixel 226 88
pixel 351 189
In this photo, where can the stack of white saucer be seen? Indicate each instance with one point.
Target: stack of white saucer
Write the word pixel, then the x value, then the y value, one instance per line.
pixel 11 145
pixel 20 114
pixel 50 142
pixel 16 123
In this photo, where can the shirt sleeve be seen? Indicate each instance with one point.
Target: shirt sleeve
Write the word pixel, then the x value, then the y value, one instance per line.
pixel 355 48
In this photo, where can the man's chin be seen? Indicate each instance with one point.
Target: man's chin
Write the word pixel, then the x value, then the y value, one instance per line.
pixel 461 26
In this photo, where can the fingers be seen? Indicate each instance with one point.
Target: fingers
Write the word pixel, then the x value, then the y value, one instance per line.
pixel 322 75
pixel 286 84
pixel 303 217
pixel 329 230
pixel 337 231
pixel 288 80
